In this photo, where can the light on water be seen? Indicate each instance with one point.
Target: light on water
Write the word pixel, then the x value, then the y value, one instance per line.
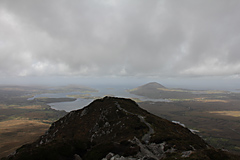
pixel 103 91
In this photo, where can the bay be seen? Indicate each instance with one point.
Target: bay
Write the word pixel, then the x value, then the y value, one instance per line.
pixel 117 91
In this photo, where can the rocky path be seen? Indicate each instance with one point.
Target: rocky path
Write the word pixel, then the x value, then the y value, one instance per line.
pixel 147 136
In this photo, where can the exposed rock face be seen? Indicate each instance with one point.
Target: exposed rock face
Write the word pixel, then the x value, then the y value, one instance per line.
pixel 113 129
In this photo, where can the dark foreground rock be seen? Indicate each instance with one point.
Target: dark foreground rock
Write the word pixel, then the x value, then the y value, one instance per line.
pixel 117 129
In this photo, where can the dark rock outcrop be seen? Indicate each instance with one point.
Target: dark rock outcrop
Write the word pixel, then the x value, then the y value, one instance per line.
pixel 116 128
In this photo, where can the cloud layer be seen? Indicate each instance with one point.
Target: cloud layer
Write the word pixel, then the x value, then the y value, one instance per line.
pixel 119 38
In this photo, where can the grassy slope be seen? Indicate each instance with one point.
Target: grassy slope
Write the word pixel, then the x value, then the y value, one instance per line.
pixel 22 121
pixel 14 133
pixel 221 131
pixel 214 113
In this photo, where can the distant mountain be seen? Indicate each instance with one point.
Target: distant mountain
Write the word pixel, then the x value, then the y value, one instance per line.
pixel 116 128
pixel 156 90
pixel 150 90
pixel 151 85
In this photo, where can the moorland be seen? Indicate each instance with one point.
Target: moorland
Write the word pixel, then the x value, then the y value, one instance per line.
pixel 23 120
pixel 213 114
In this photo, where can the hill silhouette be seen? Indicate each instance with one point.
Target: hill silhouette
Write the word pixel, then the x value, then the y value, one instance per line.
pixel 155 90
pixel 151 85
pixel 150 90
pixel 116 128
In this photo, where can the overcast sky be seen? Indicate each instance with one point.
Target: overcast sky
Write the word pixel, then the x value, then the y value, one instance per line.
pixel 120 38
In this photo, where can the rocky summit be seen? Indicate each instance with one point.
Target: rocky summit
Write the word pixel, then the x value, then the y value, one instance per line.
pixel 116 129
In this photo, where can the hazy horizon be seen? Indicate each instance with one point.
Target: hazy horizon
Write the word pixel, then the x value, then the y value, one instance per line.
pixel 185 44
pixel 204 83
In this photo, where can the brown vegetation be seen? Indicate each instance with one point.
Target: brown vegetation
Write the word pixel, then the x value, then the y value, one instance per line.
pixel 218 122
pixel 15 133
pixel 227 113
pixel 21 120
pixel 116 125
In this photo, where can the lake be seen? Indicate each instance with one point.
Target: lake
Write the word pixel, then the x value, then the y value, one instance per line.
pixel 117 91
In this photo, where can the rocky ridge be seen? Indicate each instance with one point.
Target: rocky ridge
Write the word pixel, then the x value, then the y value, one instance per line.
pixel 115 128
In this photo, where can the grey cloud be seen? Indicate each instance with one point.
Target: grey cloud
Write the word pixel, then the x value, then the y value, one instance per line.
pixel 121 38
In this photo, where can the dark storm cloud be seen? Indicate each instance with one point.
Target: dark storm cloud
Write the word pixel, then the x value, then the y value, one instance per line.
pixel 120 38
